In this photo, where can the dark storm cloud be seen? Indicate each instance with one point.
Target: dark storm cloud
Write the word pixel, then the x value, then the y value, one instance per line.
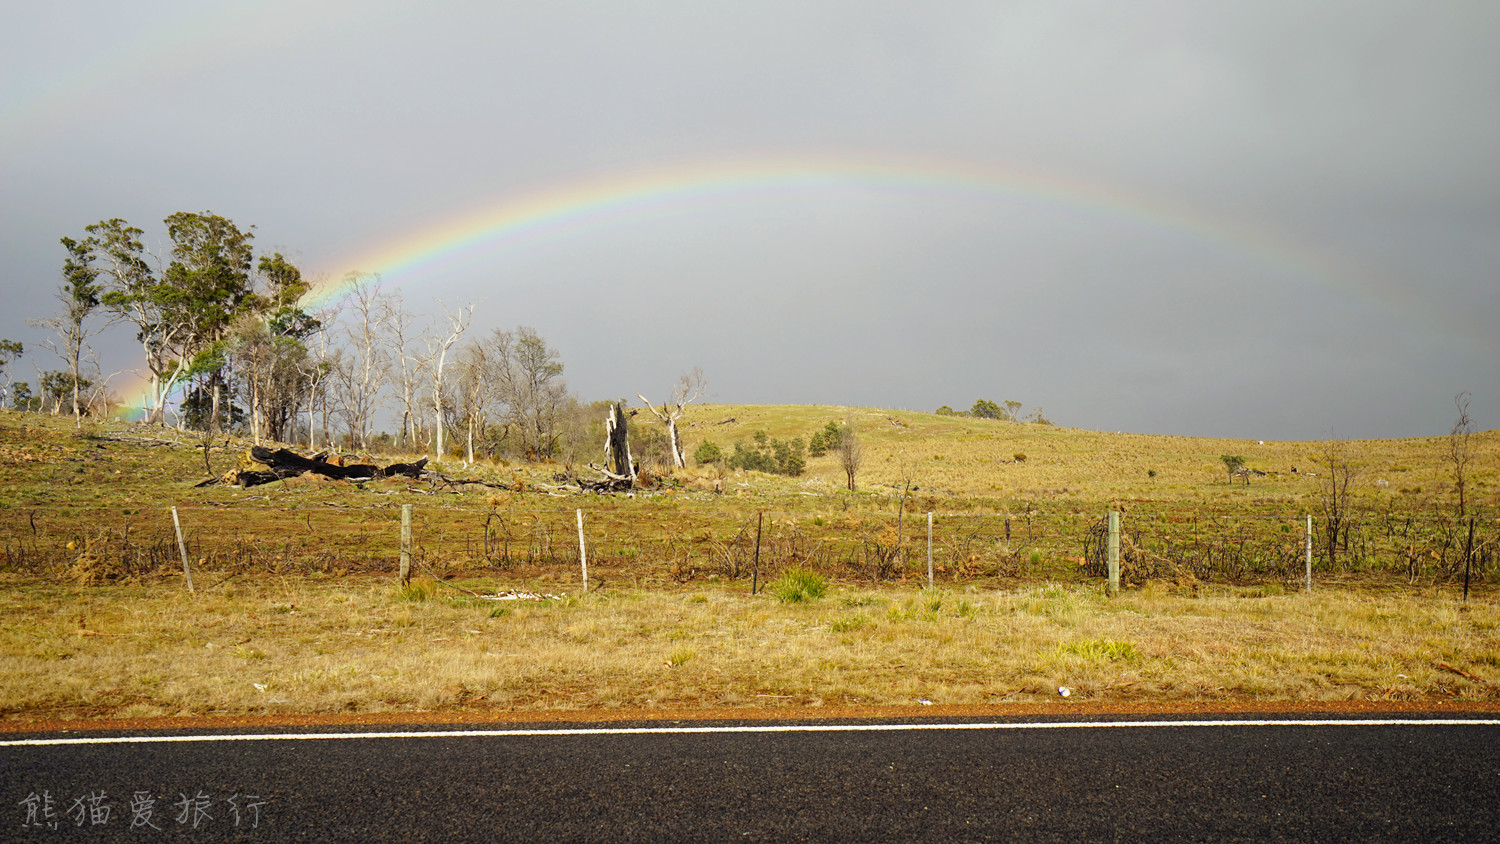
pixel 1356 138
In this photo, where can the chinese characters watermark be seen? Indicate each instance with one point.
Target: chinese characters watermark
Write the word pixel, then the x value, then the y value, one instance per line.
pixel 40 810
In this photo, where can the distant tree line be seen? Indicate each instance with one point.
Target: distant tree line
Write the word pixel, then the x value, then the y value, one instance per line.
pixel 1009 411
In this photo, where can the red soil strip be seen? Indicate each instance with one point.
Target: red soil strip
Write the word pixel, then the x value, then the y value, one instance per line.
pixel 56 722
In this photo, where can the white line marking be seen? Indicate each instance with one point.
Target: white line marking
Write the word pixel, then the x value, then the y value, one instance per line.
pixel 775 728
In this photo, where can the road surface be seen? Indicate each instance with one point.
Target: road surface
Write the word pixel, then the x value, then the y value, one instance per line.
pixel 1401 778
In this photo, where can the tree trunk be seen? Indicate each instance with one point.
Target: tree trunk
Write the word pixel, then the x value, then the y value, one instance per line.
pixel 617 443
pixel 679 460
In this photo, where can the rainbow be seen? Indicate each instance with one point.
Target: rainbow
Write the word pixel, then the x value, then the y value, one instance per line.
pixel 146 47
pixel 576 208
pixel 570 209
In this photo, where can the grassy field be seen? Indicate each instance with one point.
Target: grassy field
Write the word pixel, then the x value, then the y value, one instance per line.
pixel 297 609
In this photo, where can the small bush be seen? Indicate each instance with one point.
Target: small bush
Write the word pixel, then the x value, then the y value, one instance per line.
pixel 798 585
pixel 771 456
pixel 708 452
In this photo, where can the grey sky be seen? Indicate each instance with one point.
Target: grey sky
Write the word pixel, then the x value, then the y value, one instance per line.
pixel 1304 235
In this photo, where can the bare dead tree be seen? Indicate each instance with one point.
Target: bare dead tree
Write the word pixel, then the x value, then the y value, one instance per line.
pixel 360 378
pixel 1336 497
pixel 851 453
pixel 438 348
pixel 475 393
pixel 407 365
pixel 320 365
pixel 689 387
pixel 1460 452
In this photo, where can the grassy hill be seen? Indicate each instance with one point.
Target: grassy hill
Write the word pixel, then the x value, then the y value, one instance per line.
pixel 956 458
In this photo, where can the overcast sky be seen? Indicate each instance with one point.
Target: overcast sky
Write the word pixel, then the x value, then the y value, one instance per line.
pixel 1260 219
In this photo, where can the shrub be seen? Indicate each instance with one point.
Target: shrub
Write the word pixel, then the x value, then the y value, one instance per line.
pixel 771 456
pixel 708 452
pixel 986 409
pixel 798 585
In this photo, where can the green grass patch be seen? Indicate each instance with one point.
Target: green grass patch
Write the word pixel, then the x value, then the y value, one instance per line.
pixel 799 585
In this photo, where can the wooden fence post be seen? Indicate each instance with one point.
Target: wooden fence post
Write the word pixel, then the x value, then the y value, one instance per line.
pixel 187 571
pixel 583 557
pixel 1468 553
pixel 929 550
pixel 1113 587
pixel 405 544
pixel 755 568
pixel 1309 552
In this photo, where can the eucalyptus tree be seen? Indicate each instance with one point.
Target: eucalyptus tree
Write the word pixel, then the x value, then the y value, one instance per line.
pixel 205 290
pixel 270 348
pixel 528 373
pixel 180 312
pixel 72 326
pixel 10 351
pixel 131 293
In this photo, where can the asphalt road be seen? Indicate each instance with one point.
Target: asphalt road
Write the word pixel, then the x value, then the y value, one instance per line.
pixel 1055 780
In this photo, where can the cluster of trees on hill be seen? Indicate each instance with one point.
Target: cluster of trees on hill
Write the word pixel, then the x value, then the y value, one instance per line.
pixel 773 456
pixel 229 344
pixel 1009 411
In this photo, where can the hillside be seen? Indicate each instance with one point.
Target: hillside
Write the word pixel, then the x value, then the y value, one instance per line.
pixel 959 457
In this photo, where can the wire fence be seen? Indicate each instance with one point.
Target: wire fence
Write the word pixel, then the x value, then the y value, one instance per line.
pixel 686 544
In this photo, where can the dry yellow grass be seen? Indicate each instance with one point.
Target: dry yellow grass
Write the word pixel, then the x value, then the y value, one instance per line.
pixel 303 645
pixel 132 643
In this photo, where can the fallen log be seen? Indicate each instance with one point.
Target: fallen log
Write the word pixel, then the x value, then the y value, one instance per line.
pixel 406 470
pixel 436 478
pixel 611 482
pixel 283 464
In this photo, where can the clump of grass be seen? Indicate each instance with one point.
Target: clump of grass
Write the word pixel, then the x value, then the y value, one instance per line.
pixel 417 590
pixel 680 656
pixel 932 601
pixel 1101 650
pixel 798 585
pixel 849 623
